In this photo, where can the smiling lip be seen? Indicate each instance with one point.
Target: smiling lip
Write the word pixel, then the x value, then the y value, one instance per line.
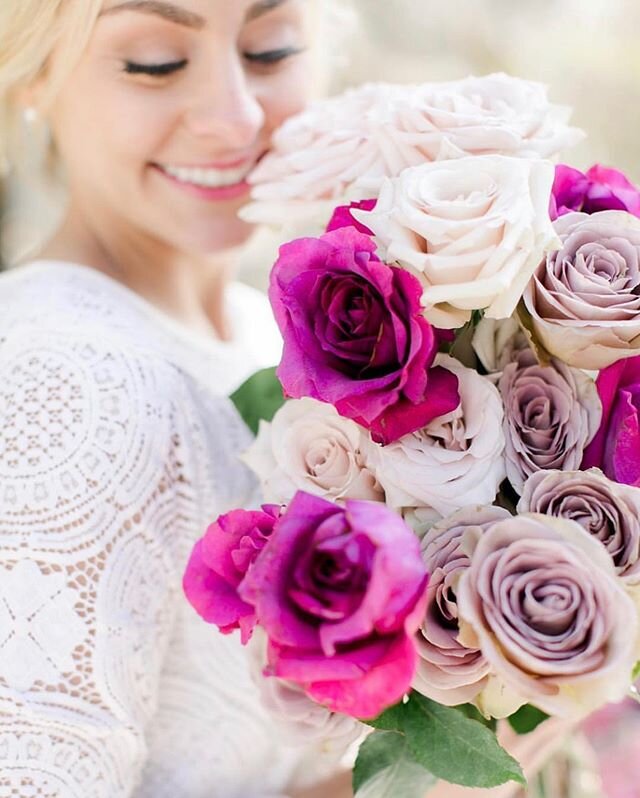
pixel 212 182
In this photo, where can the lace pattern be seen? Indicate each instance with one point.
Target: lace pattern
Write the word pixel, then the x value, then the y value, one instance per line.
pixel 114 456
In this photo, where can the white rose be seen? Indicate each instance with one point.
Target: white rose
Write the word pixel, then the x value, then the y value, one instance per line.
pixel 473 230
pixel 309 447
pixel 490 114
pixel 496 343
pixel 456 460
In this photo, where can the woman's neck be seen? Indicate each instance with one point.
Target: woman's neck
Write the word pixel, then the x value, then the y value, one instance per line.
pixel 189 288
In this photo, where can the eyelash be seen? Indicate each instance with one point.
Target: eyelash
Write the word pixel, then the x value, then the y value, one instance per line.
pixel 268 58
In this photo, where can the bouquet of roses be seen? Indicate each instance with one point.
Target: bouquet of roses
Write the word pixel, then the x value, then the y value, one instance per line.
pixel 453 528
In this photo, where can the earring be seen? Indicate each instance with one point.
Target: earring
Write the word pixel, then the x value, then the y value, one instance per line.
pixel 30 115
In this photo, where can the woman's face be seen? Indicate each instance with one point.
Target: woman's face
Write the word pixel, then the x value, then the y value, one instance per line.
pixel 170 108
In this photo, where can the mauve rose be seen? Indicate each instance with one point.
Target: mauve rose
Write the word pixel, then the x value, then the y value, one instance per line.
pixel 219 562
pixel 543 603
pixel 308 446
pixel 607 511
pixel 340 593
pixel 599 189
pixel 616 446
pixel 355 337
pixel 448 671
pixel 584 299
pixel 473 230
pixel 455 460
pixel 551 414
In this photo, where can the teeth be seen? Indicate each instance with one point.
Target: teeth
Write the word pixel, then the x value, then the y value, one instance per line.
pixel 208 178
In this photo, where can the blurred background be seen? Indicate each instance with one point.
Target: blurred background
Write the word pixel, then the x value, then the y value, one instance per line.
pixel 586 51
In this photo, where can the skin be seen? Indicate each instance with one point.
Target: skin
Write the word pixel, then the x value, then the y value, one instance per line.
pixel 112 126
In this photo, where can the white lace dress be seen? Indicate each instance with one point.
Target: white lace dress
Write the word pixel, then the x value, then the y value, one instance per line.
pixel 117 448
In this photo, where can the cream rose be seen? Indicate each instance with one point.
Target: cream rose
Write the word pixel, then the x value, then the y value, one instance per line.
pixel 309 447
pixel 497 343
pixel 454 461
pixel 472 230
pixel 584 298
pixel 541 600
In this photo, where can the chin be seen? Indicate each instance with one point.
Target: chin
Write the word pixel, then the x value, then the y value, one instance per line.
pixel 220 235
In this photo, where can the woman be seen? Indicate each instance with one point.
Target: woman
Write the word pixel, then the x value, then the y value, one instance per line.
pixel 118 345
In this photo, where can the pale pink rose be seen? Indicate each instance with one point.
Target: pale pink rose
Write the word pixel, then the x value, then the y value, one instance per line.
pixel 341 148
pixel 308 446
pixel 497 343
pixel 489 114
pixel 551 413
pixel 448 671
pixel 472 230
pixel 543 603
pixel 606 510
pixel 584 298
pixel 456 460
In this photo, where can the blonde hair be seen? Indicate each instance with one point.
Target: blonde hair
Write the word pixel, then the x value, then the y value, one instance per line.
pixel 30 32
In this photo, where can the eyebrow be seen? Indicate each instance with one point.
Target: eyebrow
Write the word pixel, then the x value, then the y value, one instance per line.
pixel 181 16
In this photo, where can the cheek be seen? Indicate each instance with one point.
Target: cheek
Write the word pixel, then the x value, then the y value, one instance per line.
pixel 289 93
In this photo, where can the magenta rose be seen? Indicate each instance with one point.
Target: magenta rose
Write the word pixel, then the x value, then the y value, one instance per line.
pixel 218 564
pixel 355 337
pixel 599 189
pixel 342 216
pixel 616 446
pixel 341 593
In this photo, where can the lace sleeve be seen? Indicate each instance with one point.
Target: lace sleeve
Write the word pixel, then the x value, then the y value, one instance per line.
pixel 89 487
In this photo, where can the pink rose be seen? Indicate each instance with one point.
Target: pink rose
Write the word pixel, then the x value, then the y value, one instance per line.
pixel 600 189
pixel 218 564
pixel 340 593
pixel 355 337
pixel 616 446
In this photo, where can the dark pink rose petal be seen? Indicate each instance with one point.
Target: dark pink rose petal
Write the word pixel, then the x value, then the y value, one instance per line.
pixel 342 216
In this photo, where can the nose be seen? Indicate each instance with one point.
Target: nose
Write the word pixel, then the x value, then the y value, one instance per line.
pixel 225 108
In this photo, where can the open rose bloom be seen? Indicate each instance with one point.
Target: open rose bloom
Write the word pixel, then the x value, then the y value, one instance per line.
pixel 453 475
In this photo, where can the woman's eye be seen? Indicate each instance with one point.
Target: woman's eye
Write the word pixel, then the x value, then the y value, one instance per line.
pixel 159 70
pixel 269 57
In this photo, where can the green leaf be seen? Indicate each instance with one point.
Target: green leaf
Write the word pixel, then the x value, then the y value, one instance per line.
pixel 385 768
pixel 259 398
pixel 473 713
pixel 636 673
pixel 526 719
pixel 455 748
pixel 389 720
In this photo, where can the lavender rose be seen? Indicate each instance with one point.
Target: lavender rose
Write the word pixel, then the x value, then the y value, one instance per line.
pixel 219 562
pixel 599 189
pixel 616 446
pixel 340 593
pixel 607 511
pixel 543 603
pixel 584 299
pixel 551 414
pixel 354 335
pixel 448 671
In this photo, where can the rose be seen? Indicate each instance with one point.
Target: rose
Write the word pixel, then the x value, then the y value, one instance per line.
pixel 497 343
pixel 481 115
pixel 584 299
pixel 616 447
pixel 219 562
pixel 340 593
pixel 449 672
pixel 337 150
pixel 456 459
pixel 599 189
pixel 543 603
pixel 308 446
pixel 354 335
pixel 551 414
pixel 342 216
pixel 341 148
pixel 473 230
pixel 607 511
